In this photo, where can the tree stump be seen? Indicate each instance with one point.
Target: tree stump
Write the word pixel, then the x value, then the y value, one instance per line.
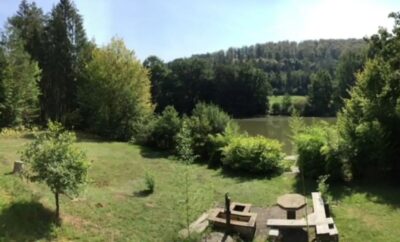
pixel 18 167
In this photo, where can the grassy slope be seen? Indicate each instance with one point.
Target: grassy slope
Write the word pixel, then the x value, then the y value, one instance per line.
pixel 112 207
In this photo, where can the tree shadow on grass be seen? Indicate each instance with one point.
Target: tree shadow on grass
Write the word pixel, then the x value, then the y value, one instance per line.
pixel 375 191
pixel 150 153
pixel 26 221
pixel 243 176
pixel 143 193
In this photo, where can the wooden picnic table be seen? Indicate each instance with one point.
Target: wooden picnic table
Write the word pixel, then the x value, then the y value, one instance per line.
pixel 291 202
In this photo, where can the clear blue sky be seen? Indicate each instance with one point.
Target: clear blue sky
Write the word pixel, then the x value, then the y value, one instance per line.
pixel 179 28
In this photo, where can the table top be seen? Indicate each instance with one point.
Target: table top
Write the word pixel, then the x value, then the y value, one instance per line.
pixel 291 201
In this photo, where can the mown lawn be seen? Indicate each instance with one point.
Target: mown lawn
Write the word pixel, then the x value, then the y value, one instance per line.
pixel 113 208
pixel 295 99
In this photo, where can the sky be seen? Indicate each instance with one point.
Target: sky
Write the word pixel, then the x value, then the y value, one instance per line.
pixel 179 28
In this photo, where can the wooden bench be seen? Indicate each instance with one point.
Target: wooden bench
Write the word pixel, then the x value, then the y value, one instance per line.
pixel 324 226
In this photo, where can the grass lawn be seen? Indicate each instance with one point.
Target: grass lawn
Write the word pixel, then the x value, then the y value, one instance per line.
pixel 294 98
pixel 113 208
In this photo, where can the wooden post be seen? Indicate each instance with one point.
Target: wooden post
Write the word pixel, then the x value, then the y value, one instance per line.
pixel 18 167
pixel 228 210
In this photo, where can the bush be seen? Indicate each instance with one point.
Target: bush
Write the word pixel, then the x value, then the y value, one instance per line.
pixel 150 183
pixel 286 107
pixel 219 141
pixel 275 108
pixel 253 154
pixel 166 128
pixel 318 150
pixel 206 120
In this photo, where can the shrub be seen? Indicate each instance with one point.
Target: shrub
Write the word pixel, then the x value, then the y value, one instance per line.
pixel 286 107
pixel 150 182
pixel 206 120
pixel 275 108
pixel 219 141
pixel 318 150
pixel 323 187
pixel 253 154
pixel 166 128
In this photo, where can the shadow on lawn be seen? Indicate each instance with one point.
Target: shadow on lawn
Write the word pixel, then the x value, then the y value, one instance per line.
pixel 375 191
pixel 150 153
pixel 143 193
pixel 26 221
pixel 242 176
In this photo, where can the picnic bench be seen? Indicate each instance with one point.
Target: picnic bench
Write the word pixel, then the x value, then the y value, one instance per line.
pixel 324 227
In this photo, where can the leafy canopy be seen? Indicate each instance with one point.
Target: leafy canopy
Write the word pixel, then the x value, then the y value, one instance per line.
pixel 53 159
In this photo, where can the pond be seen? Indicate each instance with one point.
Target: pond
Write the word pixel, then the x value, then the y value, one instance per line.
pixel 277 127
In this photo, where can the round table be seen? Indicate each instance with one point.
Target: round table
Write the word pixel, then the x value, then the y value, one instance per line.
pixel 291 203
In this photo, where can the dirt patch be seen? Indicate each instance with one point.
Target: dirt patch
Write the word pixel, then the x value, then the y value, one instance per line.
pixel 77 222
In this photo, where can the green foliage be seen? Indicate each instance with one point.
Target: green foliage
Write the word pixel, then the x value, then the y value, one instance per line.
pixel 323 187
pixel 350 63
pixel 318 149
pixel 166 127
pixel 65 54
pixel 115 96
pixel 184 143
pixel 150 182
pixel 220 140
pixel 368 123
pixel 19 91
pixel 206 120
pixel 287 105
pixel 276 108
pixel 53 159
pixel 320 94
pixel 253 154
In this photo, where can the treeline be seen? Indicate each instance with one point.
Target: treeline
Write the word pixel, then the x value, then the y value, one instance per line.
pixel 365 142
pixel 50 71
pixel 240 79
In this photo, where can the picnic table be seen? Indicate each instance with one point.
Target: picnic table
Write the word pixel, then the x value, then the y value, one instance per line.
pixel 291 202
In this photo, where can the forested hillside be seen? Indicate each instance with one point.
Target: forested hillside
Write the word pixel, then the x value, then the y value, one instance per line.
pixel 240 79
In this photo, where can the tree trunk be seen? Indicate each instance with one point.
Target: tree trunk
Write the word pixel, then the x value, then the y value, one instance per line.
pixel 56 195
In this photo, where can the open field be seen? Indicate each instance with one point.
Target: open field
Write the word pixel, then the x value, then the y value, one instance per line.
pixel 295 99
pixel 114 207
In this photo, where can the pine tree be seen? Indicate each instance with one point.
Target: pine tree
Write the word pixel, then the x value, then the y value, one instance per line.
pixel 66 45
pixel 29 22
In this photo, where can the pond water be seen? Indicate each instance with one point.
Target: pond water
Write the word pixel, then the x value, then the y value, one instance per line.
pixel 277 127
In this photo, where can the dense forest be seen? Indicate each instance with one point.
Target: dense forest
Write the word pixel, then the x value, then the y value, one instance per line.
pixel 241 79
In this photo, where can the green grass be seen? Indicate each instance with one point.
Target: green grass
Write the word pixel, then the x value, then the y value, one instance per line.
pixel 114 206
pixel 295 99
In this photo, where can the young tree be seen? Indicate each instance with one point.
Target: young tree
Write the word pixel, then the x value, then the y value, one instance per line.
pixel 185 154
pixel 116 93
pixel 19 92
pixel 53 159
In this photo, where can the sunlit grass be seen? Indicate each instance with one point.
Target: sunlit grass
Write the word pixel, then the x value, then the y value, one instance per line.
pixel 113 207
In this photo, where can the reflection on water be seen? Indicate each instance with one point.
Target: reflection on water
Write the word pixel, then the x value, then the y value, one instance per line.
pixel 276 127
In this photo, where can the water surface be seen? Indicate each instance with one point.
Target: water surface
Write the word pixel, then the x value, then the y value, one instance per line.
pixel 276 127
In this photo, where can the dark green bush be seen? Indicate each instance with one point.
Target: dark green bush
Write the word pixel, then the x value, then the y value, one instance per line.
pixel 166 128
pixel 253 154
pixel 275 108
pixel 206 120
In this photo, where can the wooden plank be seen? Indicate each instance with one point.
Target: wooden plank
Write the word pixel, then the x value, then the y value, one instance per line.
pixel 287 223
